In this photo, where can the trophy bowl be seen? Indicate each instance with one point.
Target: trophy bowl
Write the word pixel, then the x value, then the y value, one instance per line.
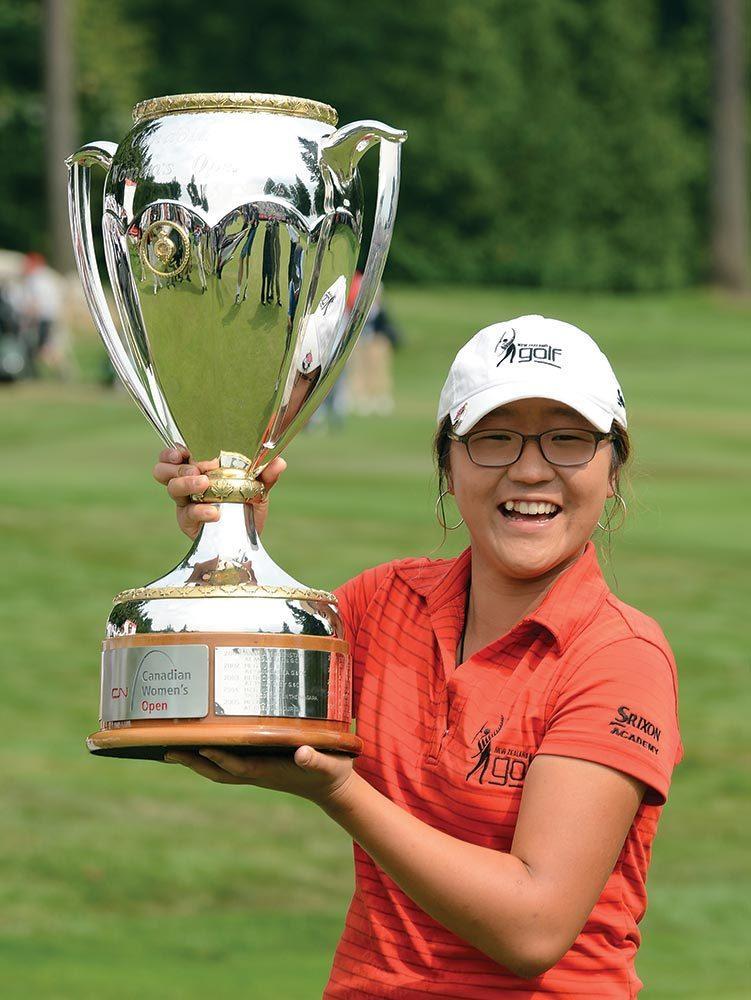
pixel 232 227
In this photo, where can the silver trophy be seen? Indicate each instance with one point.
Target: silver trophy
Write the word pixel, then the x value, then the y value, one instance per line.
pixel 232 226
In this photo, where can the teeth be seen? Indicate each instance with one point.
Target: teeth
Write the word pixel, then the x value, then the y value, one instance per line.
pixel 530 506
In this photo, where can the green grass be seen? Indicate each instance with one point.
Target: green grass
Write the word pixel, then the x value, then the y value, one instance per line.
pixel 139 880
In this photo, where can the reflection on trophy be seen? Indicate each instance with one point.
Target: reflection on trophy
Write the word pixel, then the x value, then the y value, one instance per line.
pixel 232 226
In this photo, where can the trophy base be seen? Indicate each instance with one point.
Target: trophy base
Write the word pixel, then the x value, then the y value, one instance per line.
pixel 262 736
pixel 249 692
pixel 227 650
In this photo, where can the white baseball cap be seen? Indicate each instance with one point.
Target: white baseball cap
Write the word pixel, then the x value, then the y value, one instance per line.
pixel 526 357
pixel 322 330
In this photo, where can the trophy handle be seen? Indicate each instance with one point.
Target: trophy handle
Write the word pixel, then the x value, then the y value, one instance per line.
pixel 341 153
pixel 79 186
pixel 338 159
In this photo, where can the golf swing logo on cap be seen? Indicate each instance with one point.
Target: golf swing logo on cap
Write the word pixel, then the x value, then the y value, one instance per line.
pixel 544 354
pixel 526 357
pixel 507 345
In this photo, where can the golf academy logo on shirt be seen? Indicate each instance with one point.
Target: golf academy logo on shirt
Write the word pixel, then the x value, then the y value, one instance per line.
pixel 495 765
pixel 484 737
pixel 628 725
pixel 513 352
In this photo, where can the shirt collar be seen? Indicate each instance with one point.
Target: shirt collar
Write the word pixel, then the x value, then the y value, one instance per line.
pixel 568 606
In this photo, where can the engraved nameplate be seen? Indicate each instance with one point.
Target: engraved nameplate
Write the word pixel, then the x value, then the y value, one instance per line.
pixel 155 682
pixel 271 680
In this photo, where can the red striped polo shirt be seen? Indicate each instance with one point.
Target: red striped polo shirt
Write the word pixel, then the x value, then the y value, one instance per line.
pixel 583 675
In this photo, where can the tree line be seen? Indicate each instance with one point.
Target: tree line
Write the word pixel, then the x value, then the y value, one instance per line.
pixel 564 143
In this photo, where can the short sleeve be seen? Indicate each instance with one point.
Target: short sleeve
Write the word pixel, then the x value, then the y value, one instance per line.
pixel 355 595
pixel 620 708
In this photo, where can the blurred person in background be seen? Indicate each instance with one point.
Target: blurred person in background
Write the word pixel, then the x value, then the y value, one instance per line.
pixel 370 381
pixel 39 299
pixel 40 305
pixel 365 385
pixel 14 354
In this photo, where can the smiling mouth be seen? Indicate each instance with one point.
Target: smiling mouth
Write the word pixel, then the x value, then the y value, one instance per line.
pixel 526 512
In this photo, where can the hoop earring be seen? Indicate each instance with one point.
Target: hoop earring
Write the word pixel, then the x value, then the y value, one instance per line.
pixel 442 522
pixel 607 526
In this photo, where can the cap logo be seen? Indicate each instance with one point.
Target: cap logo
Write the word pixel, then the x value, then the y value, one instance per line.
pixel 517 353
pixel 459 413
pixel 507 346
pixel 619 397
pixel 307 361
pixel 326 299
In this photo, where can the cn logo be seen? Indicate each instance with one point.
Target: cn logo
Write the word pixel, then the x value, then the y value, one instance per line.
pixel 118 692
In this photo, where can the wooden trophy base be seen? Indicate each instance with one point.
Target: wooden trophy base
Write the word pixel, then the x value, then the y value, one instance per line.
pixel 213 683
pixel 151 740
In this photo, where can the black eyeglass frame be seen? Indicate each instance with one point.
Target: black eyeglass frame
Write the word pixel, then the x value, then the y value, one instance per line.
pixel 466 438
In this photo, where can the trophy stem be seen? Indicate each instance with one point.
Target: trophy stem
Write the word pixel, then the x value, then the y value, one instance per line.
pixel 228 552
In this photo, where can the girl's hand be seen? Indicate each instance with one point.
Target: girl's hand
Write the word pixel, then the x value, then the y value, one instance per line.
pixel 322 777
pixel 182 478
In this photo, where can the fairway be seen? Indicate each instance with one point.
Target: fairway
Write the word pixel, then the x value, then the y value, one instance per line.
pixel 130 879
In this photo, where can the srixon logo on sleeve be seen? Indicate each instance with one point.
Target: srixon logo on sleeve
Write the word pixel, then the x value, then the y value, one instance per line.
pixel 514 352
pixel 630 725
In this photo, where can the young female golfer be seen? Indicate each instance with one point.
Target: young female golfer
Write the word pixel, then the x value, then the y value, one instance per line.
pixel 519 720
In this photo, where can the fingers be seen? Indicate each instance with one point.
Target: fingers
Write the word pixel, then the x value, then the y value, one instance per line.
pixel 193 516
pixel 270 473
pixel 184 480
pixel 175 462
pixel 186 483
pixel 202 766
pixel 175 455
pixel 267 772
pixel 231 763
pixel 326 762
pixel 207 466
pixel 164 471
pixel 313 760
pixel 183 487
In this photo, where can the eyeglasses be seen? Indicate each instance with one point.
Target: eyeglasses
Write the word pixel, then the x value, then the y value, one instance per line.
pixel 565 446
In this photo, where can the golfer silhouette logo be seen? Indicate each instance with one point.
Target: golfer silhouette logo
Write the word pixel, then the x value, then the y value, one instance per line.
pixel 484 737
pixel 507 345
